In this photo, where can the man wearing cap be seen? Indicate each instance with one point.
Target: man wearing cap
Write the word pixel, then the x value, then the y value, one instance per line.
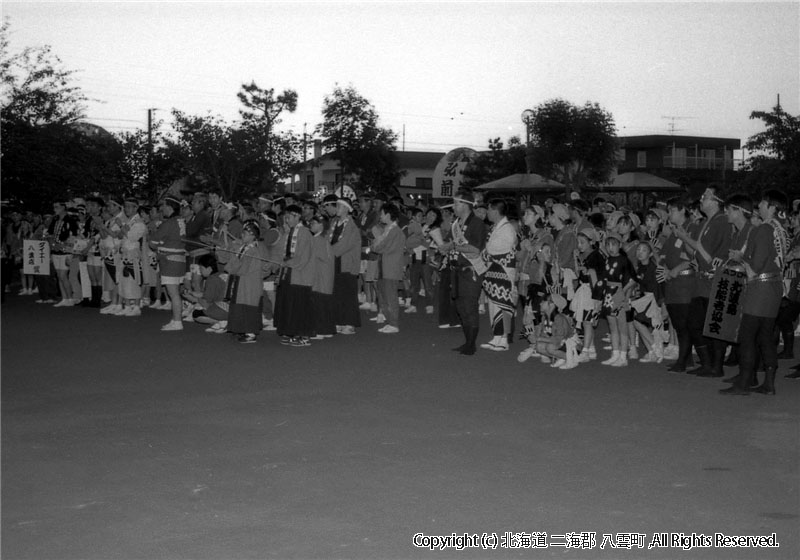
pixel 469 239
pixel 709 248
pixel 345 241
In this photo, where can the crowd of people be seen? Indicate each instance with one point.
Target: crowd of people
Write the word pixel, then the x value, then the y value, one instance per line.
pixel 546 273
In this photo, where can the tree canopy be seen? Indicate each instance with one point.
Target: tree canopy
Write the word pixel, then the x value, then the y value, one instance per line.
pixel 46 154
pixel 574 145
pixel 497 163
pixel 365 150
pixel 774 160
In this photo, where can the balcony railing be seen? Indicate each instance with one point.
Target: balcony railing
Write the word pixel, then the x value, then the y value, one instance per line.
pixel 697 163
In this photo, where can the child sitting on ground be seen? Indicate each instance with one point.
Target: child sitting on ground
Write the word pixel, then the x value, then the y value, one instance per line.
pixel 210 307
pixel 555 341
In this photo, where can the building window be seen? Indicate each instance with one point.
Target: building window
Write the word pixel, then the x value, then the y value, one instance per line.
pixel 679 158
pixel 641 159
pixel 424 183
pixel 310 182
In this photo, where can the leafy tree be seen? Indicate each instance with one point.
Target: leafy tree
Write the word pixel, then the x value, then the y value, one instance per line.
pixel 260 116
pixel 774 160
pixel 46 152
pixel 497 163
pixel 213 153
pixel 36 89
pixel 365 150
pixel 133 167
pixel 574 145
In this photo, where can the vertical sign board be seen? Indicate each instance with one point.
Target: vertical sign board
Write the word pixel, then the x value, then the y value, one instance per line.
pixel 724 312
pixel 448 173
pixel 36 255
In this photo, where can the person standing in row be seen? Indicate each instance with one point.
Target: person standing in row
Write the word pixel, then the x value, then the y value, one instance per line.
pixel 469 239
pixel 345 240
pixel 763 259
pixel 168 240
pixel 293 311
pixel 389 243
pixel 246 269
pixel 709 248
pixel 500 279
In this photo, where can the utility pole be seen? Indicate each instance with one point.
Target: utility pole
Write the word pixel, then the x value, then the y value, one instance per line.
pixel 150 151
pixel 305 155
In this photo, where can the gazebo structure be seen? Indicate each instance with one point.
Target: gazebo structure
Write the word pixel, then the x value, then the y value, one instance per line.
pixel 636 188
pixel 521 186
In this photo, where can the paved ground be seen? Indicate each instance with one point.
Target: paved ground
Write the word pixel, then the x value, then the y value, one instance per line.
pixel 188 445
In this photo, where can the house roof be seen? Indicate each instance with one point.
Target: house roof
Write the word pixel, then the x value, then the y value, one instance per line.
pixel 405 160
pixel 521 182
pixel 418 160
pixel 640 180
pixel 658 140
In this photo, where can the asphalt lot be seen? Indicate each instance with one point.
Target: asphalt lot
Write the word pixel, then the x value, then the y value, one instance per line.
pixel 120 441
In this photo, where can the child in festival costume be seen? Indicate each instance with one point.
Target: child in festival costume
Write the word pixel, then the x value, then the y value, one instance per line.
pixel 590 265
pixel 210 307
pixel 557 329
pixel 619 280
pixel 542 282
pixel 647 316
pixel 246 269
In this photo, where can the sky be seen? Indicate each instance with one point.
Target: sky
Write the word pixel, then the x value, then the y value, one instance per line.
pixel 442 75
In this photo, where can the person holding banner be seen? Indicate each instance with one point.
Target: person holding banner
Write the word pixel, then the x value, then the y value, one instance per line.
pixel 763 260
pixel 738 209
pixel 709 248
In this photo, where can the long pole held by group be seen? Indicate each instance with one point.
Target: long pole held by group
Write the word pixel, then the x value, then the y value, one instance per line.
pixel 216 248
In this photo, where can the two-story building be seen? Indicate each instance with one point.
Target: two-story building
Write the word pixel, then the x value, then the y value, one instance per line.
pixel 681 159
pixel 689 161
pixel 324 174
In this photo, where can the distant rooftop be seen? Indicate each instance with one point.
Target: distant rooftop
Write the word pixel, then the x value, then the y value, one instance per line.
pixel 702 142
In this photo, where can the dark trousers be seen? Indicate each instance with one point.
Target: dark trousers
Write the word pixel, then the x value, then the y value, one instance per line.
pixel 696 321
pixel 756 335
pixel 679 318
pixel 467 290
pixel 48 285
pixel 784 322
pixel 447 307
